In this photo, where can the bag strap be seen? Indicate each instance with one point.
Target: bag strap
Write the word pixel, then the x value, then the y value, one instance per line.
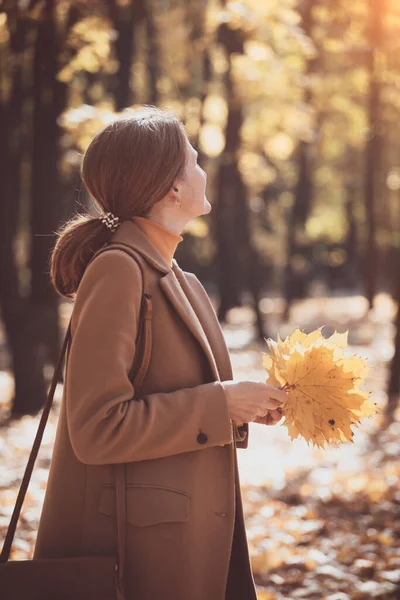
pixel 145 317
pixel 136 374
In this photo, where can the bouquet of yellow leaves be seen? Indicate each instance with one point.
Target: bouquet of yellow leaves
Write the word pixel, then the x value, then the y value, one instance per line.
pixel 322 385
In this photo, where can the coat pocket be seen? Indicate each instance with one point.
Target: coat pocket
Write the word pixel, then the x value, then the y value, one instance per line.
pixel 148 504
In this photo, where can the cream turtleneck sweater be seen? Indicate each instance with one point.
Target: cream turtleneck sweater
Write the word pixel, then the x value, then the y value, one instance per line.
pixel 165 240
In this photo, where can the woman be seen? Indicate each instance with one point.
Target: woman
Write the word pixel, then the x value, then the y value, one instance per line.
pixel 186 538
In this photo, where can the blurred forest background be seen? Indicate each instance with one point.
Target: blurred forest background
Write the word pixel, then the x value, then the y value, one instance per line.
pixel 294 108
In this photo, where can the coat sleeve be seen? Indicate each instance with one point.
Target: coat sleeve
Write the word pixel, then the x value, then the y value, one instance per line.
pixel 241 435
pixel 105 423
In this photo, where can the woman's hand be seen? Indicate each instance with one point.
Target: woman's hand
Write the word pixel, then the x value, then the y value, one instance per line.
pixel 252 400
pixel 272 417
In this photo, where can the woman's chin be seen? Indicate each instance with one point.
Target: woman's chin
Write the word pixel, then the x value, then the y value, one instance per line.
pixel 203 210
pixel 207 206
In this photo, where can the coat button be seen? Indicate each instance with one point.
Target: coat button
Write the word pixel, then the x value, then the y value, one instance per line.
pixel 202 438
pixel 221 514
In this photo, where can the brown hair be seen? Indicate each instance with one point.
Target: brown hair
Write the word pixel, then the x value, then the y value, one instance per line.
pixel 129 165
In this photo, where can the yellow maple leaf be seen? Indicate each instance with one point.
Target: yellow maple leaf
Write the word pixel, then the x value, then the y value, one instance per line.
pixel 322 385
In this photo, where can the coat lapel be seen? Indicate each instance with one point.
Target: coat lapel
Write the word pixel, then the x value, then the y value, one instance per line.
pixel 171 286
pixel 203 308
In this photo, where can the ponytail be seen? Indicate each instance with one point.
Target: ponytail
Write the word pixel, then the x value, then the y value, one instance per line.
pixel 78 240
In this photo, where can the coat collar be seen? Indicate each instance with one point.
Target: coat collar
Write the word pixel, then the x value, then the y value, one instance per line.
pixel 186 295
pixel 131 234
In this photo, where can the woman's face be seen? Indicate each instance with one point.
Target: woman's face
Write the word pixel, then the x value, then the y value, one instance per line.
pixel 192 188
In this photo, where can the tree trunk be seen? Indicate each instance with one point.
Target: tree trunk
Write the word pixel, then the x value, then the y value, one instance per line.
pixel 298 268
pixel 351 242
pixel 196 22
pixel 394 378
pixel 373 148
pixel 125 17
pixel 153 58
pixel 297 272
pixel 49 98
pixel 45 205
pixel 237 261
pixel 16 309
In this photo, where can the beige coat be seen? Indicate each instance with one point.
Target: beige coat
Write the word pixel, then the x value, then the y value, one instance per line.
pixel 183 489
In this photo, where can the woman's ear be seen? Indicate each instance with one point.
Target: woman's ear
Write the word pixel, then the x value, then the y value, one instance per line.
pixel 177 198
pixel 172 197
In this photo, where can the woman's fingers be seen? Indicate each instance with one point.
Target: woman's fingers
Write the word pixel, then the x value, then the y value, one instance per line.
pixel 260 420
pixel 277 394
pixel 271 418
pixel 276 415
pixel 272 404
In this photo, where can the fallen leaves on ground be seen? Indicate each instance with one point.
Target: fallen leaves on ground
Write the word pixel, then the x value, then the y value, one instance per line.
pixel 330 533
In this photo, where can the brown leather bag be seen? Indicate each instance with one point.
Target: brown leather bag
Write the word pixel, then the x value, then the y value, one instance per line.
pixel 76 577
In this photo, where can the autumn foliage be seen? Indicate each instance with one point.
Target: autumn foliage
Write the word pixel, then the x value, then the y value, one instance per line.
pixel 322 384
